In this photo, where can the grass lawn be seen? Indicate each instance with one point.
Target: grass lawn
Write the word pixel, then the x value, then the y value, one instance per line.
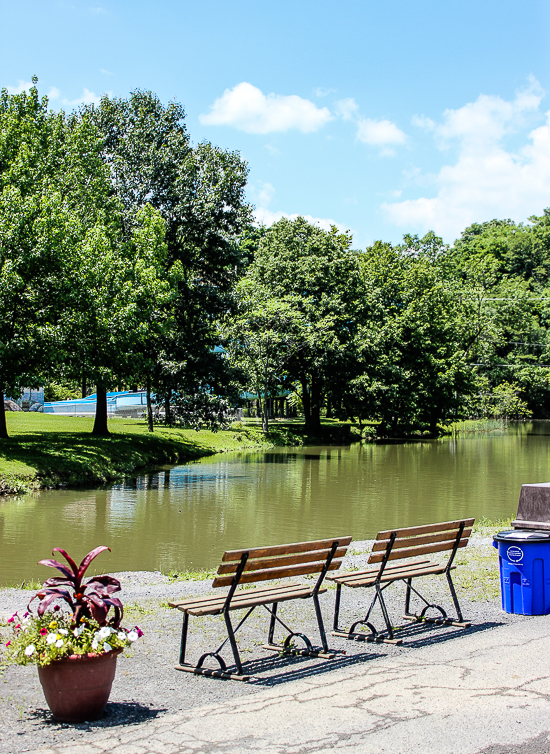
pixel 47 451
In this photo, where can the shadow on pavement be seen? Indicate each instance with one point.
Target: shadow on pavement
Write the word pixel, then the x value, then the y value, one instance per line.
pixel 275 670
pixel 117 713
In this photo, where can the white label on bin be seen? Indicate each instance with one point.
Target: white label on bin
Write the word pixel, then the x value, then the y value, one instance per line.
pixel 515 554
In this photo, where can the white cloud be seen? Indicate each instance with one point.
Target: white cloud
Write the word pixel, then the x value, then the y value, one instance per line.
pixel 246 107
pixel 267 217
pixel 383 134
pixel 347 108
pixel 87 98
pixel 321 91
pixel 22 86
pixel 487 180
pixel 423 122
pixel 105 72
pixel 262 193
pixel 97 11
pixel 54 93
pixel 379 133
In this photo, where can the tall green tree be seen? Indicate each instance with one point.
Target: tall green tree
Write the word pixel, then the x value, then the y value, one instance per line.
pixel 263 336
pixel 199 193
pixel 46 179
pixel 314 272
pixel 120 291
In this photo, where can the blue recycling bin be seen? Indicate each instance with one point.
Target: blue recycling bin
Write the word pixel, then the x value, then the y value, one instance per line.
pixel 524 559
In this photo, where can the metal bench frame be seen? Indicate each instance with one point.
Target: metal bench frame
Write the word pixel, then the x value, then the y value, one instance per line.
pixel 261 564
pixel 403 544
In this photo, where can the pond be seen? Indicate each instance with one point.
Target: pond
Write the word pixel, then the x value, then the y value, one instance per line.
pixel 183 518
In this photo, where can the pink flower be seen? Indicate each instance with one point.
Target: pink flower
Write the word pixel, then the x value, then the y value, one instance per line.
pixel 8 643
pixel 139 631
pixel 43 631
pixel 12 619
pixel 18 626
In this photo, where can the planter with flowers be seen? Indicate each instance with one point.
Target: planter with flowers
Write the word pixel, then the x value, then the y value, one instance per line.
pixel 76 651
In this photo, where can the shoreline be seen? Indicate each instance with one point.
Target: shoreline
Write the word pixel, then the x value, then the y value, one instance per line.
pixel 52 452
pixel 476 563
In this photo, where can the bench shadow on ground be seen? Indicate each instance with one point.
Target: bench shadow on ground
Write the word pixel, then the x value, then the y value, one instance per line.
pixel 276 670
pixel 417 635
pixel 116 713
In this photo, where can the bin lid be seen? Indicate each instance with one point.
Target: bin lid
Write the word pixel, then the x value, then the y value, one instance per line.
pixel 522 535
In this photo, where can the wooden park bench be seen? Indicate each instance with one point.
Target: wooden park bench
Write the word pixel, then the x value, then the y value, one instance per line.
pixel 405 546
pixel 274 564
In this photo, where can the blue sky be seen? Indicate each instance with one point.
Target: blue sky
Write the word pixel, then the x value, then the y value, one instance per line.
pixel 384 118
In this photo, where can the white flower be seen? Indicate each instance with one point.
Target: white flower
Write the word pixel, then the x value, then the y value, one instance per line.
pixel 30 650
pixel 121 635
pixel 63 631
pixel 104 632
pixel 95 644
pixel 107 647
pixel 132 636
pixel 78 631
pixel 51 639
pixel 59 643
pixel 25 621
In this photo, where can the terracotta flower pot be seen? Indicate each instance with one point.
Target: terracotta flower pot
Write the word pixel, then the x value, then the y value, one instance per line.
pixel 77 688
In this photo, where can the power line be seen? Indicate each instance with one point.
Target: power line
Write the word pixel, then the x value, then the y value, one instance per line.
pixel 519 366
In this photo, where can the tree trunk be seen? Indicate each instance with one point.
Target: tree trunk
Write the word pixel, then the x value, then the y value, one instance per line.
pixel 84 386
pixel 100 423
pixel 3 425
pixel 149 406
pixel 167 413
pixel 306 401
pixel 314 422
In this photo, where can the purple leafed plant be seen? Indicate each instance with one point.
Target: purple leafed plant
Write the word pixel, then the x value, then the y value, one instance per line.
pixel 92 599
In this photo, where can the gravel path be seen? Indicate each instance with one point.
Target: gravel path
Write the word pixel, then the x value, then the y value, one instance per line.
pixel 147 686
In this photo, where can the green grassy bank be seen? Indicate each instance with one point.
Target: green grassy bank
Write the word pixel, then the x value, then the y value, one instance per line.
pixel 51 451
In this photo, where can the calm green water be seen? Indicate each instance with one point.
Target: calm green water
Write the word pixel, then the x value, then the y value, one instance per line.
pixel 185 517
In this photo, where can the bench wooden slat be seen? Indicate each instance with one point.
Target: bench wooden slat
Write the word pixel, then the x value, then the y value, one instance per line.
pixel 268 552
pixel 412 531
pixel 262 600
pixel 416 541
pixel 247 599
pixel 281 561
pixel 435 568
pixel 276 573
pixel 412 552
pixel 410 565
pixel 256 590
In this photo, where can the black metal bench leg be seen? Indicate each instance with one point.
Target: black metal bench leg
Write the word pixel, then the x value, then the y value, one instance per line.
pixel 337 607
pixel 183 638
pixel 320 623
pixel 233 643
pixel 408 597
pixel 272 623
pixel 384 611
pixel 461 620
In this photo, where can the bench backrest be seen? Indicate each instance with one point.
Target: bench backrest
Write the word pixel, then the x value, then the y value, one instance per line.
pixel 281 561
pixel 396 544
